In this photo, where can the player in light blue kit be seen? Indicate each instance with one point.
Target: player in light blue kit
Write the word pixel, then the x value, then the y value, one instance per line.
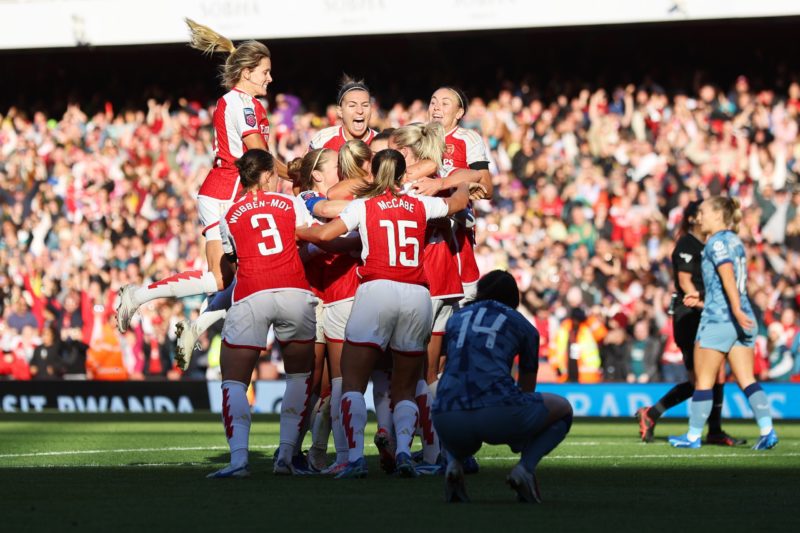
pixel 727 324
pixel 477 399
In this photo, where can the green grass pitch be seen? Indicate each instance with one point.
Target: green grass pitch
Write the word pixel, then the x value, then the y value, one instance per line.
pixel 146 473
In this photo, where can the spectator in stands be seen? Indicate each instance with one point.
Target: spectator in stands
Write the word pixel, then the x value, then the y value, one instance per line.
pixel 21 317
pixel 644 353
pixel 111 195
pixel 615 350
pixel 672 368
pixel 104 357
pixel 575 353
pixel 46 361
pixel 781 363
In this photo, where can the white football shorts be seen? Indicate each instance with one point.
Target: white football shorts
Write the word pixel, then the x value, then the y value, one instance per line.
pixel 335 320
pixel 391 314
pixel 292 313
pixel 211 210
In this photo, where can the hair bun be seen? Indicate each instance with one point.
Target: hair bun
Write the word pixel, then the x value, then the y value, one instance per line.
pixel 293 168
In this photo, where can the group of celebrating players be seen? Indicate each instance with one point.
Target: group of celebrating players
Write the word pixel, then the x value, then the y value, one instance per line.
pixel 366 273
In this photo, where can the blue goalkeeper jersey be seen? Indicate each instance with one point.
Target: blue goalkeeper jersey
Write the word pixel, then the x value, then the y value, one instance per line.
pixel 723 247
pixel 481 341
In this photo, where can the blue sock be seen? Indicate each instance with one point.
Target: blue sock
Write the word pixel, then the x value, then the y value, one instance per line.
pixel 221 300
pixel 544 443
pixel 760 406
pixel 702 402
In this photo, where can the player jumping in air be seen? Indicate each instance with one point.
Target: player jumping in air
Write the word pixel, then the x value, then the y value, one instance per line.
pixel 240 124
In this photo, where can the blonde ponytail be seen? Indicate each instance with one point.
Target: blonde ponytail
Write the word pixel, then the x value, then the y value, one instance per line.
pixel 352 156
pixel 207 40
pixel 246 56
pixel 388 168
pixel 736 214
pixel 731 209
pixel 426 141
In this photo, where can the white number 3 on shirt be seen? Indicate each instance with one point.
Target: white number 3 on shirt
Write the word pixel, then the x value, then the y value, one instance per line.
pixel 271 231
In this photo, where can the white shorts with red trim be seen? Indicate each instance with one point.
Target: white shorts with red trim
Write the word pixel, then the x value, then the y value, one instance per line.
pixel 320 314
pixel 391 314
pixel 335 321
pixel 291 313
pixel 211 210
pixel 442 311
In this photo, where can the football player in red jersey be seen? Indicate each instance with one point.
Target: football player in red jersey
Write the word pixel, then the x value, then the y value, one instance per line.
pixel 392 305
pixel 339 276
pixel 464 149
pixel 354 168
pixel 314 174
pixel 334 274
pixel 354 109
pixel 417 142
pixel 270 289
pixel 240 124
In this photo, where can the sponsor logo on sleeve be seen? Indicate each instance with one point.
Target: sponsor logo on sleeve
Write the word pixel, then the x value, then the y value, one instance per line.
pixel 250 116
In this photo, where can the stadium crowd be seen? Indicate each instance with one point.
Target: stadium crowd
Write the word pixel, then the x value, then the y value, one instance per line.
pixel 589 194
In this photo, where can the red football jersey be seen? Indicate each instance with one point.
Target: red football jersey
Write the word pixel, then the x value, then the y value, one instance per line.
pixel 464 149
pixel 340 278
pixel 332 276
pixel 392 233
pixel 236 116
pixel 315 272
pixel 441 267
pixel 260 229
pixel 334 138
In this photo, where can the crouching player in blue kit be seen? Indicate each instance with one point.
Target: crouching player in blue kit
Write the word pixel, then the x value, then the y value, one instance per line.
pixel 477 399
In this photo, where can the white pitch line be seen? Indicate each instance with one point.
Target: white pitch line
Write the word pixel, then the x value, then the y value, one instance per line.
pixel 130 450
pixel 654 456
pixel 98 465
pixel 509 458
pixel 209 448
pixel 370 445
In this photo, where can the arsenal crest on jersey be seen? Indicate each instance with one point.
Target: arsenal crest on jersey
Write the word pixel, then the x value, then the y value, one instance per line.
pixel 249 116
pixel 450 149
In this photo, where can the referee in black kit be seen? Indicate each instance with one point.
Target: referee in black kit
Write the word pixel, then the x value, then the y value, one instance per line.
pixel 686 268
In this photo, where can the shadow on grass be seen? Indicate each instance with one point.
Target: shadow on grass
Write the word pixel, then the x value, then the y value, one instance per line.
pixel 178 498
